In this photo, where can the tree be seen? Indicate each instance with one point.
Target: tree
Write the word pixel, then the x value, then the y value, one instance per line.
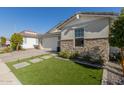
pixel 122 12
pixel 16 41
pixel 3 41
pixel 117 35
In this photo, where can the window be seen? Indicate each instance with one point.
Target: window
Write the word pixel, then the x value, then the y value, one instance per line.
pixel 79 37
pixel 79 32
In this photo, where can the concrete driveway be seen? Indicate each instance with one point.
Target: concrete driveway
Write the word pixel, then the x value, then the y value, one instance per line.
pixel 6 76
pixel 21 54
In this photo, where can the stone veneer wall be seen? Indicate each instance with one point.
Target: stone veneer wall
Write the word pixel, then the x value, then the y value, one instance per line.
pixel 66 45
pixel 92 47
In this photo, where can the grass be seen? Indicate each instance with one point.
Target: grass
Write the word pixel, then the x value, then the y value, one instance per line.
pixel 55 71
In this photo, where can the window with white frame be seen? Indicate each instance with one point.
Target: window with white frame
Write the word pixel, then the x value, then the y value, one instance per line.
pixel 79 37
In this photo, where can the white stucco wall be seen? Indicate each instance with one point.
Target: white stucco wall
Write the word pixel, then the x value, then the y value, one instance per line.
pixel 95 27
pixel 30 42
pixel 50 43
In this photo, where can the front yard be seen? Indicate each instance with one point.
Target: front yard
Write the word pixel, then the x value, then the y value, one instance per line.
pixel 54 71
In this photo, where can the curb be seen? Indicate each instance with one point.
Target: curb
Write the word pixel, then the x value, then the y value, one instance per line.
pixel 104 77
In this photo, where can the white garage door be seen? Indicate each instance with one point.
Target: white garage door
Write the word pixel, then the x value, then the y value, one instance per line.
pixel 50 43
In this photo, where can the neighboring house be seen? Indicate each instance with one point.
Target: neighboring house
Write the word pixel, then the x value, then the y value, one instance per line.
pixel 84 32
pixel 7 42
pixel 30 39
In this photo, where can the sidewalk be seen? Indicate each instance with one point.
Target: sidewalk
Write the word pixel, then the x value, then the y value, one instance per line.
pixel 6 76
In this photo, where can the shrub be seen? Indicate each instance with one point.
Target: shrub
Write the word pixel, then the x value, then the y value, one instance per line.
pixel 97 60
pixel 7 49
pixel 68 54
pixel 115 57
pixel 87 58
pixel 92 59
pixel 74 54
pixel 64 54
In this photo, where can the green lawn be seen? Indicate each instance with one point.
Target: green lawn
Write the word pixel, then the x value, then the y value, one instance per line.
pixel 55 71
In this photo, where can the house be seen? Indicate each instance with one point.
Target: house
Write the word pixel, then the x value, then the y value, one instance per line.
pixel 86 32
pixel 7 42
pixel 30 39
pixel 50 40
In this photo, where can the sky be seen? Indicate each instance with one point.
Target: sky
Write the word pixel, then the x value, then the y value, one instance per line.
pixel 39 19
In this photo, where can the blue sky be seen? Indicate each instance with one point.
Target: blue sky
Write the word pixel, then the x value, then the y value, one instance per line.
pixel 38 19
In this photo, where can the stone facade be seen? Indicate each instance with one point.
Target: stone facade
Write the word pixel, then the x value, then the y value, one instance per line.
pixel 96 48
pixel 66 45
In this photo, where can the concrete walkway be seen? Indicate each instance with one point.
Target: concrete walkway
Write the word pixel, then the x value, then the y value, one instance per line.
pixel 6 76
pixel 13 56
pixel 112 74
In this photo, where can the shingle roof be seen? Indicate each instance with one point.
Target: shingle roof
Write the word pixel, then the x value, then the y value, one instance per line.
pixel 99 13
pixel 51 34
pixel 28 33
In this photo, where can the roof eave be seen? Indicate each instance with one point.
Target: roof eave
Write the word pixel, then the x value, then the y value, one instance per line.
pixel 74 16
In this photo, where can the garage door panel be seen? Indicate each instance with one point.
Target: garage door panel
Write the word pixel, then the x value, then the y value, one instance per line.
pixel 50 43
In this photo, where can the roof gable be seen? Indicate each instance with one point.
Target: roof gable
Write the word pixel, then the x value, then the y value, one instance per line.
pixel 95 14
pixel 73 17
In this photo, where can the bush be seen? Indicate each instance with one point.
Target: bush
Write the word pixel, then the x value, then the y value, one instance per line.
pixel 115 57
pixel 87 58
pixel 7 49
pixel 64 54
pixel 74 54
pixel 68 54
pixel 92 59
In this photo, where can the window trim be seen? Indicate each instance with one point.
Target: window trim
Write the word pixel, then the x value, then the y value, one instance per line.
pixel 78 37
